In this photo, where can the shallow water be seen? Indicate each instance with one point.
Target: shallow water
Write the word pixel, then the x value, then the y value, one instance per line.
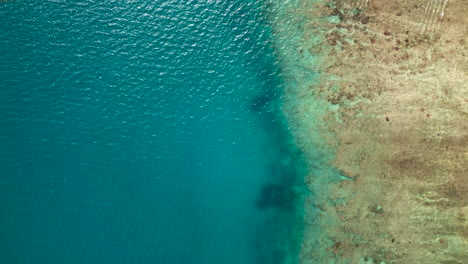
pixel 142 133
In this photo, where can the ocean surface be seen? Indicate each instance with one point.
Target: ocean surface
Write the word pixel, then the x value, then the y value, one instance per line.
pixel 143 132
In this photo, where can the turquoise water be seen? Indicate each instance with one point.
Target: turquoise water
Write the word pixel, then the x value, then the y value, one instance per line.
pixel 142 132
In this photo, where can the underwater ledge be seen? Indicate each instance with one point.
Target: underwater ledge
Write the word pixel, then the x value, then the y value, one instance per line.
pixel 376 100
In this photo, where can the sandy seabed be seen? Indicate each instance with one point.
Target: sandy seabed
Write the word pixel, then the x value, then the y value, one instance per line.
pixel 377 99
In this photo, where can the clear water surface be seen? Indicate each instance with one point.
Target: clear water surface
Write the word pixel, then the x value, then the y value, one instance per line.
pixel 137 132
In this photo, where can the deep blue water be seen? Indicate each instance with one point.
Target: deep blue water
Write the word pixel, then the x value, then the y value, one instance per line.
pixel 139 132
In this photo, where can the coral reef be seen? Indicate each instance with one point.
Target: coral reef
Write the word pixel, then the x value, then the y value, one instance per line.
pixel 377 98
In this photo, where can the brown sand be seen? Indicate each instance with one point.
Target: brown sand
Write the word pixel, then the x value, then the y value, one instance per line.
pixel 397 74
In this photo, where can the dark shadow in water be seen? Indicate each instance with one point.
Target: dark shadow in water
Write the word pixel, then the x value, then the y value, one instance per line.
pixel 260 102
pixel 276 196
